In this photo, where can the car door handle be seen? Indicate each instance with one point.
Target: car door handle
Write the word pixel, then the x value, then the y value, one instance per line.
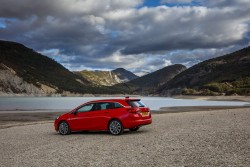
pixel 106 112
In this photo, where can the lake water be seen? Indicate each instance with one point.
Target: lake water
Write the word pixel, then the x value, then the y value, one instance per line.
pixel 67 103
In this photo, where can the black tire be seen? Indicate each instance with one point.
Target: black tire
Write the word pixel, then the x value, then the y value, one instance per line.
pixel 63 128
pixel 134 129
pixel 115 127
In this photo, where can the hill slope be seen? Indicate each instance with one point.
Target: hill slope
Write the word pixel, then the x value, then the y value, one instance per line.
pixel 227 74
pixel 25 71
pixel 107 78
pixel 124 75
pixel 147 84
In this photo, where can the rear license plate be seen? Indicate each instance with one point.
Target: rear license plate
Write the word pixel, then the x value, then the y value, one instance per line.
pixel 144 113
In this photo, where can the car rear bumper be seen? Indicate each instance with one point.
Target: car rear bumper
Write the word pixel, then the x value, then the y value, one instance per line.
pixel 138 122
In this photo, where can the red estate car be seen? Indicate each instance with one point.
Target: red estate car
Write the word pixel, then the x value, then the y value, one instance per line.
pixel 113 115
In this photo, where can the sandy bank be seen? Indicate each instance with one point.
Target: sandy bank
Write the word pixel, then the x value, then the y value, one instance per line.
pixel 208 138
pixel 215 98
pixel 21 118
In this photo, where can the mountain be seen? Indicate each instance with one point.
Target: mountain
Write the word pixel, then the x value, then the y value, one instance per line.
pixel 147 84
pixel 124 75
pixel 24 71
pixel 107 78
pixel 228 74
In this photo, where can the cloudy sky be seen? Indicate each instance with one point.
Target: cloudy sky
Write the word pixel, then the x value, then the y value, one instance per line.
pixel 139 35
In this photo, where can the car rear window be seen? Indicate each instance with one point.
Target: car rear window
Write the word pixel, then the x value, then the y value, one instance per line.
pixel 135 103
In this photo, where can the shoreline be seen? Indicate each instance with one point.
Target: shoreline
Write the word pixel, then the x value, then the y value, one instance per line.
pixel 222 97
pixel 214 98
pixel 10 119
pixel 182 109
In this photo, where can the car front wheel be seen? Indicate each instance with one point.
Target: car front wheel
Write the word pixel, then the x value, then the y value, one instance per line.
pixel 115 127
pixel 64 128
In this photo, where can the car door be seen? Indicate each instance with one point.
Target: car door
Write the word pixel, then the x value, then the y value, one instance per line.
pixel 80 120
pixel 99 117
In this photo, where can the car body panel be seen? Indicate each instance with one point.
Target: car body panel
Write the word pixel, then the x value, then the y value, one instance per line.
pixel 98 119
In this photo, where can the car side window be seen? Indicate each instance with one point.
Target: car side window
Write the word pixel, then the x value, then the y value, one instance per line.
pixel 103 106
pixel 85 108
pixel 117 105
pixel 97 107
pixel 110 106
pixel 113 106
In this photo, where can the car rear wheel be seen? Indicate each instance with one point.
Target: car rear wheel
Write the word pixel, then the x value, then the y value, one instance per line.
pixel 134 129
pixel 64 128
pixel 115 127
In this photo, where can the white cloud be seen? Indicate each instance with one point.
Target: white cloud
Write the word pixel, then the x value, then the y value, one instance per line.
pixel 56 55
pixel 118 33
pixel 176 1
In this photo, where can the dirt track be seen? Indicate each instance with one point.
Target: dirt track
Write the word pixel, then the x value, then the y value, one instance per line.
pixel 207 138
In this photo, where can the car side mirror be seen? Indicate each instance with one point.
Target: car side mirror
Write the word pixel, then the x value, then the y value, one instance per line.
pixel 74 112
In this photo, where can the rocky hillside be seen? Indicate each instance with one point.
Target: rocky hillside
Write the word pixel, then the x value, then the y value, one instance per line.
pixel 149 83
pixel 124 75
pixel 107 78
pixel 24 71
pixel 228 74
pixel 11 83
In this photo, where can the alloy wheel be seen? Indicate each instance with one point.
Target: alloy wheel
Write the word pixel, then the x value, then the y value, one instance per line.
pixel 64 128
pixel 115 127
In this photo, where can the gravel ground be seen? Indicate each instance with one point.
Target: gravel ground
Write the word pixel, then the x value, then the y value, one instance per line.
pixel 207 138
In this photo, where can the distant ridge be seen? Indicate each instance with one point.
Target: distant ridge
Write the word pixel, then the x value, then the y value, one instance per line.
pixel 24 71
pixel 124 75
pixel 107 78
pixel 149 83
pixel 225 75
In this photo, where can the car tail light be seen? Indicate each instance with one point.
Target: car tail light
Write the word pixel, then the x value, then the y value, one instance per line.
pixel 132 110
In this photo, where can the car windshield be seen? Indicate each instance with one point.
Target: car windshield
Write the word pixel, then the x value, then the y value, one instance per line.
pixel 136 103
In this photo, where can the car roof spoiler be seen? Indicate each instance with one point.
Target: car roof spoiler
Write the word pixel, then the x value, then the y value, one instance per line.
pixel 128 99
